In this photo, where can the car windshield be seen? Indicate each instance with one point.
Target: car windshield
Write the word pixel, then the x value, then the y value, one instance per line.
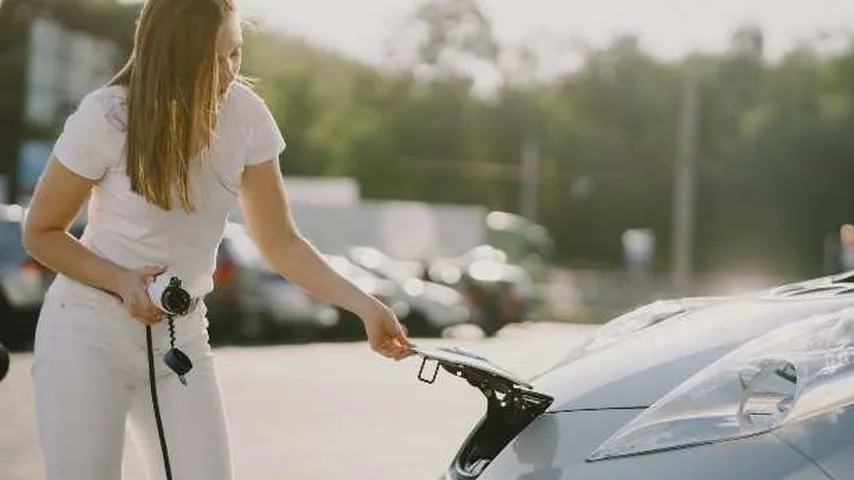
pixel 11 248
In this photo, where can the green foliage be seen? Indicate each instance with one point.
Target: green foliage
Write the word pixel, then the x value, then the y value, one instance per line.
pixel 775 153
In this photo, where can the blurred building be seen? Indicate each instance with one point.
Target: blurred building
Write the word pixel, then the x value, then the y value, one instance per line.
pixel 52 52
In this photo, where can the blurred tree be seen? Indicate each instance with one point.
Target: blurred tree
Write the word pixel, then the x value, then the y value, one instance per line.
pixel 434 133
pixel 616 119
pixel 774 144
pixel 447 38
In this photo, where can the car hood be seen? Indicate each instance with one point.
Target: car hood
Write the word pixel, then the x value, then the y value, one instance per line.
pixel 640 369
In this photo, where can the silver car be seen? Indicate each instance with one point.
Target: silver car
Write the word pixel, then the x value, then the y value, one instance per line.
pixel 754 387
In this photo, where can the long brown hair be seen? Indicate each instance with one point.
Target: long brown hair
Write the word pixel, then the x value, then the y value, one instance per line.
pixel 172 83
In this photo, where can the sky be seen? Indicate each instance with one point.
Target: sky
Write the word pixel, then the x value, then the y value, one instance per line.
pixel 670 29
pixel 667 28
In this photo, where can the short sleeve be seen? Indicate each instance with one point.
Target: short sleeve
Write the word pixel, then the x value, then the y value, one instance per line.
pixel 80 145
pixel 265 139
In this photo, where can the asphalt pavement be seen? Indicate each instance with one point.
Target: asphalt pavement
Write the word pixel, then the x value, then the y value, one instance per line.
pixel 324 411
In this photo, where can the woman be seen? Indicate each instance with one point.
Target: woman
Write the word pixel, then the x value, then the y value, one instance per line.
pixel 164 151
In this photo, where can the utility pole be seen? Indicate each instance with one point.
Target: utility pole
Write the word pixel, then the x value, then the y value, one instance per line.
pixel 684 199
pixel 530 191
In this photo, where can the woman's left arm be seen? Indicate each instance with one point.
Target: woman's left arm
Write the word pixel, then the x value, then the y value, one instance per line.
pixel 264 205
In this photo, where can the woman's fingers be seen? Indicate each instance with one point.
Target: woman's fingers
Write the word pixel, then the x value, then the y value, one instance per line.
pixel 396 348
pixel 143 309
pixel 402 344
pixel 147 273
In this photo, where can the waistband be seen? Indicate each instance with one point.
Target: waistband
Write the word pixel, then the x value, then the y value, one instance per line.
pixel 63 285
pixel 77 314
pixel 73 293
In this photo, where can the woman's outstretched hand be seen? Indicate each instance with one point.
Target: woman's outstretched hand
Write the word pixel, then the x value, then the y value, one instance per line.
pixel 386 335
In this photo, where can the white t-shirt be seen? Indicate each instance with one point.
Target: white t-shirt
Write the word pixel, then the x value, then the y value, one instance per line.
pixel 122 226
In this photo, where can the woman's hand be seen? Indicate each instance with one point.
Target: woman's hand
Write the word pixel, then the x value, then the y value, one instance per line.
pixel 132 287
pixel 385 334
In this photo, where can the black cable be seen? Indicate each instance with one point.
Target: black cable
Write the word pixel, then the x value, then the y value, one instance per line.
pixel 154 401
pixel 171 332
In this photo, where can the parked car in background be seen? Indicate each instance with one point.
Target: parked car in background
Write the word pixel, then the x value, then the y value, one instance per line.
pixel 253 303
pixel 498 292
pixel 757 386
pixel 524 242
pixel 430 307
pixel 23 282
pixel 350 326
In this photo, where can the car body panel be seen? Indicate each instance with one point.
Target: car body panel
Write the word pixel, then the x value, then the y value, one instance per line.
pixel 555 447
pixel 643 367
pixel 827 439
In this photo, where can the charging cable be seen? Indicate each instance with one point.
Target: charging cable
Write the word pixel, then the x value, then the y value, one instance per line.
pixel 168 295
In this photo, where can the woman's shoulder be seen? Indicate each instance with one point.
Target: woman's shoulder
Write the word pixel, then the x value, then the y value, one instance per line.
pixel 241 92
pixel 105 97
pixel 246 100
pixel 107 104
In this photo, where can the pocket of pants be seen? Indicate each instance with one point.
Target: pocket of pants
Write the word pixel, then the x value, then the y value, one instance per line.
pixel 77 312
pixel 69 291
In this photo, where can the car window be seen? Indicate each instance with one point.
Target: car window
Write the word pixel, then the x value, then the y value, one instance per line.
pixel 11 248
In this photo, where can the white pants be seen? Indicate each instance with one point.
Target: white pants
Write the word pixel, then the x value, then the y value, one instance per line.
pixel 91 375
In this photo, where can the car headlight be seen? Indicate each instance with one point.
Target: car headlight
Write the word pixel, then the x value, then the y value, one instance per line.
pixel 789 375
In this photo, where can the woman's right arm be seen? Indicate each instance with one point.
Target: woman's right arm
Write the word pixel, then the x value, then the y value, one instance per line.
pixel 58 199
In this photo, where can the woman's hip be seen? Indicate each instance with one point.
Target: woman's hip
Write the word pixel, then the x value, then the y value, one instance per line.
pixel 78 313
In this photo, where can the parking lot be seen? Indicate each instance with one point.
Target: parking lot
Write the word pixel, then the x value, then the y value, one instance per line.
pixel 322 410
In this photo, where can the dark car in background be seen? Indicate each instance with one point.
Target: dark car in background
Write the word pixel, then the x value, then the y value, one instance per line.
pixel 497 292
pixel 252 303
pixel 23 282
